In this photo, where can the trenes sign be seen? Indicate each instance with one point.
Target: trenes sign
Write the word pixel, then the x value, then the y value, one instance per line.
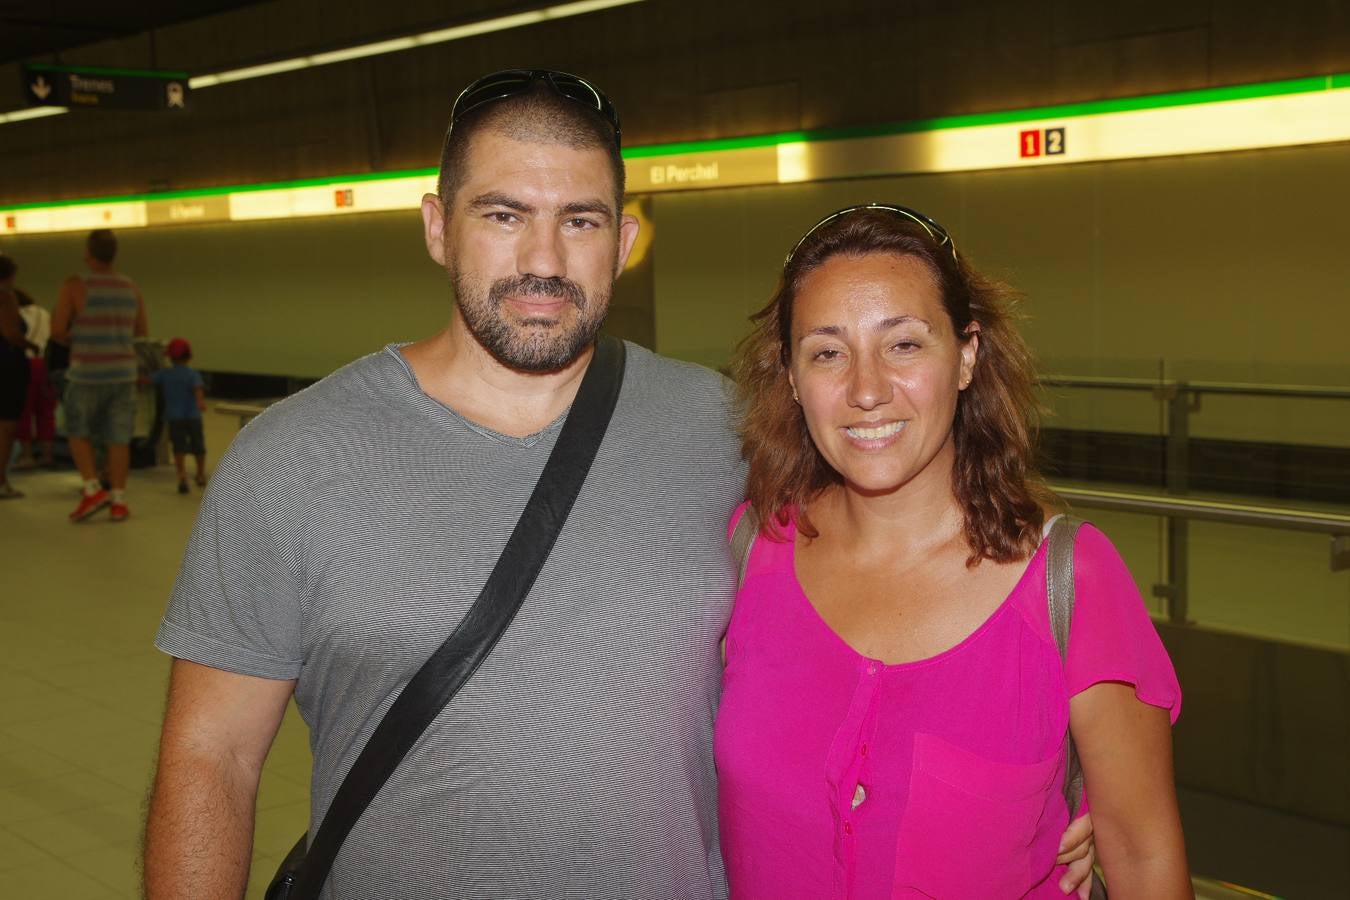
pixel 88 87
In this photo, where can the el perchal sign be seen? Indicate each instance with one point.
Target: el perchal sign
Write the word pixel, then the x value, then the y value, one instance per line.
pixel 88 87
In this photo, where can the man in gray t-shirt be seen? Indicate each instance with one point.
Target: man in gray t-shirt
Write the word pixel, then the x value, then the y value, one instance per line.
pixel 349 527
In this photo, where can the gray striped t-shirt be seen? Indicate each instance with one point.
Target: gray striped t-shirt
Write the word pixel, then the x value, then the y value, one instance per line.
pixel 344 535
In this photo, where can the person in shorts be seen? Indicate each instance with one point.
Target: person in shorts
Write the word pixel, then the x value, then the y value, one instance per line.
pixel 99 314
pixel 184 403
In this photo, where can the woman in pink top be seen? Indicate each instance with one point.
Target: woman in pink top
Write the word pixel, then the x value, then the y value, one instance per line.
pixel 895 706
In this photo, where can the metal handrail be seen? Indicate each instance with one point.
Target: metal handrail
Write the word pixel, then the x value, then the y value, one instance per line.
pixel 1302 391
pixel 1181 400
pixel 1334 524
pixel 1179 510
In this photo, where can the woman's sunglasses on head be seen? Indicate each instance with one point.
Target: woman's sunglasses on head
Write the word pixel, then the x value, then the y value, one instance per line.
pixel 929 225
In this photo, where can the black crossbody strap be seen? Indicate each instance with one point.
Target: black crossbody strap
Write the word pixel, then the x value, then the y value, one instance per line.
pixel 431 689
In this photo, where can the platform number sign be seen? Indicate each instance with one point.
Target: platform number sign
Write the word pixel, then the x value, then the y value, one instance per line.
pixel 1038 142
pixel 343 197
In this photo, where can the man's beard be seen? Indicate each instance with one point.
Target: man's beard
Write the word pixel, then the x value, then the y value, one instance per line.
pixel 536 343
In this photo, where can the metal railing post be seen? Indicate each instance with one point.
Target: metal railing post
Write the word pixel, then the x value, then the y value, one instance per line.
pixel 1178 570
pixel 1179 409
pixel 1176 473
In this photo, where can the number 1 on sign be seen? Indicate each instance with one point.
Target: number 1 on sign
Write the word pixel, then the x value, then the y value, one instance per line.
pixel 1031 143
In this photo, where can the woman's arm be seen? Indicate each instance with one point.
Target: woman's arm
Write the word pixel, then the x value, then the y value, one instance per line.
pixel 11 324
pixel 1126 750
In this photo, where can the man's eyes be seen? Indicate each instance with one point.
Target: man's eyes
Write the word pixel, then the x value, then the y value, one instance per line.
pixel 574 223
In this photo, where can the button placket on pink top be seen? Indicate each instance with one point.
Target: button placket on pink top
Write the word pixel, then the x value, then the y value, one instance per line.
pixel 844 765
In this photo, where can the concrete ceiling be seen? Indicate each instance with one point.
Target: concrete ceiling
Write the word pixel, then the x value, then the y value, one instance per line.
pixel 34 30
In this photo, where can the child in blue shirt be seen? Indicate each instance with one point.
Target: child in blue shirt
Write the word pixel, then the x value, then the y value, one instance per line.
pixel 184 402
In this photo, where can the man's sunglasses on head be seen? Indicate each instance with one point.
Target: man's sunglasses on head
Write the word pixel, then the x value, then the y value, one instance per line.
pixel 514 82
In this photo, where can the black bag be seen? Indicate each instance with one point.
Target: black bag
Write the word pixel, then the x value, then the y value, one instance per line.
pixel 303 872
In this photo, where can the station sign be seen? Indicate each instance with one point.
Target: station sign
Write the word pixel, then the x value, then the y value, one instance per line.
pixel 187 210
pixel 89 87
pixel 707 169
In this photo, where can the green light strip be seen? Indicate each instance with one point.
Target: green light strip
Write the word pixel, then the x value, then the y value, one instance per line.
pixel 1004 117
pixel 219 191
pixel 1061 111
pixel 99 70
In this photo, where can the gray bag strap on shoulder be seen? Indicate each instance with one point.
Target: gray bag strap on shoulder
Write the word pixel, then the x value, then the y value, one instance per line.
pixel 742 539
pixel 1059 592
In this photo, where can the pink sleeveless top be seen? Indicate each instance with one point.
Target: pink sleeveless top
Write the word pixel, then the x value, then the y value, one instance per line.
pixel 842 777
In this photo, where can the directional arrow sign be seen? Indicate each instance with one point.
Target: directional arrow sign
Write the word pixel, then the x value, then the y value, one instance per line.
pixel 89 87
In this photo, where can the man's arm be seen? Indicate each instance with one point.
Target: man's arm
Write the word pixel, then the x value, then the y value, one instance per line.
pixel 218 728
pixel 141 328
pixel 67 306
pixel 1077 851
pixel 1126 749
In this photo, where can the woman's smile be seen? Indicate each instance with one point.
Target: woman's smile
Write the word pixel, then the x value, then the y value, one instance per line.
pixel 874 436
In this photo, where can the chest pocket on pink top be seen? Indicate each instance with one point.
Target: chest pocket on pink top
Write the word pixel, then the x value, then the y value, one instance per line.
pixel 970 824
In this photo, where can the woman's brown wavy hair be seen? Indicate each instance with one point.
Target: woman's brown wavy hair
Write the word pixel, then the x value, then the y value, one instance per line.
pixel 994 477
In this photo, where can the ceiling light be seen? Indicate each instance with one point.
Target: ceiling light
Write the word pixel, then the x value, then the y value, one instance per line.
pixel 362 51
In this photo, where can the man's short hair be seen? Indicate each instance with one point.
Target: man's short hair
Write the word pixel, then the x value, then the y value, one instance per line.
pixel 7 268
pixel 539 115
pixel 102 245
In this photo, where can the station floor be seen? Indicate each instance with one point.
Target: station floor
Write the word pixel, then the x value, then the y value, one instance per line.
pixel 82 691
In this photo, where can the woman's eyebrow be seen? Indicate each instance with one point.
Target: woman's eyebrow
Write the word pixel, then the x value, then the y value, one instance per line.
pixel 887 324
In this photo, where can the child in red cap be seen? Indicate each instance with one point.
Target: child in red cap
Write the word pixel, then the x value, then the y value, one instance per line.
pixel 184 402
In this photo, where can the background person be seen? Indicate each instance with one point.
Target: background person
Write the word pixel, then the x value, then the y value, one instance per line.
pixel 895 707
pixel 37 422
pixel 184 403
pixel 13 372
pixel 99 314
